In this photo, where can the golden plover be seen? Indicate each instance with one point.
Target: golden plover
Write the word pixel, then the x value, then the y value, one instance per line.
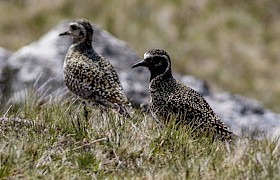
pixel 89 75
pixel 171 98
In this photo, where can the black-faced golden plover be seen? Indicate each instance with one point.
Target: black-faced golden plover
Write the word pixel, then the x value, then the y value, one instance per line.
pixel 89 75
pixel 169 98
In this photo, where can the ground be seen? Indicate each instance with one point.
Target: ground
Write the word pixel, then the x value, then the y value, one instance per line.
pixel 54 140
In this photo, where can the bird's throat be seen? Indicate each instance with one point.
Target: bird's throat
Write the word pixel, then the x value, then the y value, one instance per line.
pixel 160 74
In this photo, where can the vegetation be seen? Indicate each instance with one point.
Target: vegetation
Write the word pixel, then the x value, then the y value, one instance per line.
pixel 54 141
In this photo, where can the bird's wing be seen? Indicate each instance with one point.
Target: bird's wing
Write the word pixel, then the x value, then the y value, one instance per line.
pixel 187 98
pixel 191 100
pixel 82 77
pixel 115 90
pixel 191 103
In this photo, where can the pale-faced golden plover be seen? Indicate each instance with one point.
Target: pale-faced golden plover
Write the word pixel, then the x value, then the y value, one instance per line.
pixel 171 98
pixel 90 75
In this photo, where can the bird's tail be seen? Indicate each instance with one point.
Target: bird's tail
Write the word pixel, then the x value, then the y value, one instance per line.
pixel 225 134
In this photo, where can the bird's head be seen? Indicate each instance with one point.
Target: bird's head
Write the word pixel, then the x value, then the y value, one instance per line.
pixel 81 31
pixel 157 61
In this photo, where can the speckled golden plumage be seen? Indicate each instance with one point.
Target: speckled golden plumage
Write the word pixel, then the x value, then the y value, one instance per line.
pixel 89 75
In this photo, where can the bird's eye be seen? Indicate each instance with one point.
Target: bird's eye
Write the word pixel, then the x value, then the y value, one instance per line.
pixel 73 27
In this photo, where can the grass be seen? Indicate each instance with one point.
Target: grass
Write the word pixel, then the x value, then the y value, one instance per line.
pixel 54 141
pixel 233 45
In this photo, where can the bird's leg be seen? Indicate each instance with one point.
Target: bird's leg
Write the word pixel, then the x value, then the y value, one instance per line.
pixel 104 112
pixel 157 120
pixel 85 110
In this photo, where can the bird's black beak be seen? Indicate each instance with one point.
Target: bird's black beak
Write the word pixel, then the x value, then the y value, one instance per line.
pixel 64 33
pixel 140 63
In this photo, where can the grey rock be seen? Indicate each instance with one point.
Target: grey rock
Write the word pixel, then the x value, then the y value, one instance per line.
pixel 39 66
pixel 4 73
pixel 4 55
pixel 245 114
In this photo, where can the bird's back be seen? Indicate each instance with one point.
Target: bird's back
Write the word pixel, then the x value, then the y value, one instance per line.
pixel 174 98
